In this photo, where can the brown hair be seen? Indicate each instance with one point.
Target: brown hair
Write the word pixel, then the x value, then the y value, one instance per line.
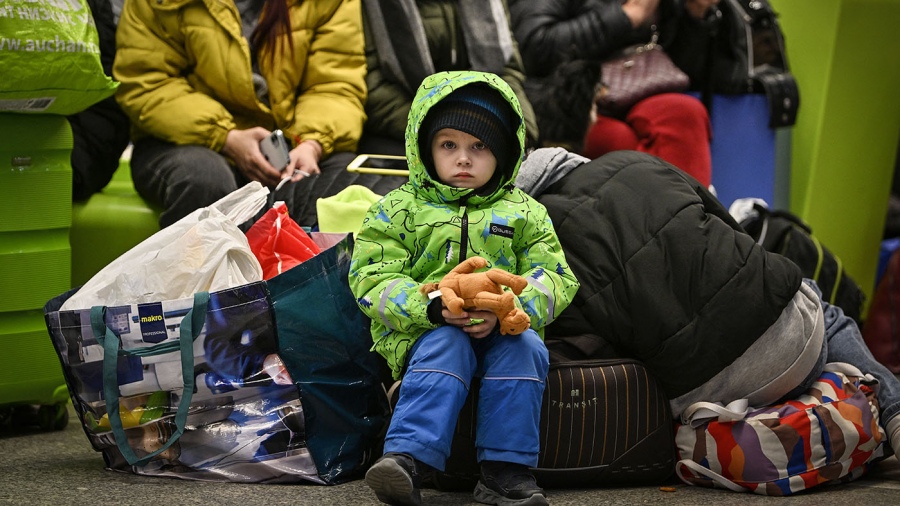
pixel 274 22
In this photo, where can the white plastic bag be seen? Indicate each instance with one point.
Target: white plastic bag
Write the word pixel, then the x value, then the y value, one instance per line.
pixel 204 251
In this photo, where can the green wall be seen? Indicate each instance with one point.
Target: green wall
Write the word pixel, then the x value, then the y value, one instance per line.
pixel 845 55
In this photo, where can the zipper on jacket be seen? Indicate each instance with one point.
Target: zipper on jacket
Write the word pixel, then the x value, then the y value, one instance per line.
pixel 449 16
pixel 464 230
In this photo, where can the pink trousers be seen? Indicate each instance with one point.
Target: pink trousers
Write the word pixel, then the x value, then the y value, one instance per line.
pixel 672 126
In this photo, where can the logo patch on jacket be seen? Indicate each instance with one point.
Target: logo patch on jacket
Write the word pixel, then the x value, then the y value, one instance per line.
pixel 502 230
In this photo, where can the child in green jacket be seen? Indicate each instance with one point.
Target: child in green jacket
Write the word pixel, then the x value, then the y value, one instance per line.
pixel 464 145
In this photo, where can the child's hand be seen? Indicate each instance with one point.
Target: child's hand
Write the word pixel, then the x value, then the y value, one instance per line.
pixel 457 320
pixel 480 324
pixel 477 323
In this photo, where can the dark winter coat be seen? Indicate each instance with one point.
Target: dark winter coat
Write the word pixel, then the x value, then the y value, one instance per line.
pixel 100 132
pixel 551 32
pixel 667 276
pixel 452 40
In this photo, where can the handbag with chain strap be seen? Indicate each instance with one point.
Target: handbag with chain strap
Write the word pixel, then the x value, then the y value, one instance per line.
pixel 637 72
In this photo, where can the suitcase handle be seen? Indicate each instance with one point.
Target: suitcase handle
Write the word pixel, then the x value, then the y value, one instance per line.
pixel 191 326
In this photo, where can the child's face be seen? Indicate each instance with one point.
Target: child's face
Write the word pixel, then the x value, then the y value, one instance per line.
pixel 461 160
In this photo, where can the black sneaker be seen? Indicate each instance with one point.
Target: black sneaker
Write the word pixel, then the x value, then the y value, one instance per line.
pixel 395 479
pixel 508 484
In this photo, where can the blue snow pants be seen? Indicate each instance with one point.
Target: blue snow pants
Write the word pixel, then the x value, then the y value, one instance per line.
pixel 439 372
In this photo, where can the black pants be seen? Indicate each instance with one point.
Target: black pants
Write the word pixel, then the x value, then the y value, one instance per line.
pixel 182 179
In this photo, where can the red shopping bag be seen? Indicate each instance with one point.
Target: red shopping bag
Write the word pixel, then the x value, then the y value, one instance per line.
pixel 278 242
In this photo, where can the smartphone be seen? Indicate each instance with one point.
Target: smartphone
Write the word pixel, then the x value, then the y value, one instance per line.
pixel 385 165
pixel 276 149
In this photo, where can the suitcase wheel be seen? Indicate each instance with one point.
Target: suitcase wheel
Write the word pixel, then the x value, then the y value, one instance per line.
pixel 46 416
pixel 53 416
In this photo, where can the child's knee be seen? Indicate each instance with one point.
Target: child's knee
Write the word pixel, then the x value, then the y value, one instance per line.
pixel 446 349
pixel 538 352
pixel 529 353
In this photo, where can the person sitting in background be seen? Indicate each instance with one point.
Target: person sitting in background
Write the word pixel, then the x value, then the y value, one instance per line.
pixel 672 126
pixel 407 40
pixel 203 85
pixel 100 132
pixel 669 278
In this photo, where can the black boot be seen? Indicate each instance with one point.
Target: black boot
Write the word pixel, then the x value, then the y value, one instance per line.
pixel 396 478
pixel 508 484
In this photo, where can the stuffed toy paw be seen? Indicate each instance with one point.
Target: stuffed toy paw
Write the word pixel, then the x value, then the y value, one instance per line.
pixel 463 288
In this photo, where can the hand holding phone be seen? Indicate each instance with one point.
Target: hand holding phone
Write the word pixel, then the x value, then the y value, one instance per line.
pixel 276 149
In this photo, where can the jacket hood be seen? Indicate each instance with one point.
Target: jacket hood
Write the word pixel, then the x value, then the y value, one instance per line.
pixel 433 89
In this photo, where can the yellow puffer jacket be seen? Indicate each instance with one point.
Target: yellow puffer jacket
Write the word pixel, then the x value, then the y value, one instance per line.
pixel 185 73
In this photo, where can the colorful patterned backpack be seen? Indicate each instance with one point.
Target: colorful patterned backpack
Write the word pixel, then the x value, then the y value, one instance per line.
pixel 830 434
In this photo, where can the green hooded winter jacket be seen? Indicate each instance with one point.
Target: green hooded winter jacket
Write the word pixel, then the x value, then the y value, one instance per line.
pixel 417 233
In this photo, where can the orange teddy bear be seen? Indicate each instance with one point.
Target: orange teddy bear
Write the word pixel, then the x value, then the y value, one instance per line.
pixel 464 288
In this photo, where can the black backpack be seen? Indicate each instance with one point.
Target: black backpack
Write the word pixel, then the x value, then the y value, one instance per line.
pixel 741 50
pixel 786 234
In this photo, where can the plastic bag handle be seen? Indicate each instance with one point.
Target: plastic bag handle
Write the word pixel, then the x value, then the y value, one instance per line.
pixel 191 326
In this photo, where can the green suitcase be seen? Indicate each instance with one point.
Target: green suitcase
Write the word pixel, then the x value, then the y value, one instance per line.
pixel 35 259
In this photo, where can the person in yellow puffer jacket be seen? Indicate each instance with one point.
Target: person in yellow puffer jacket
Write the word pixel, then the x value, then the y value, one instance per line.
pixel 203 82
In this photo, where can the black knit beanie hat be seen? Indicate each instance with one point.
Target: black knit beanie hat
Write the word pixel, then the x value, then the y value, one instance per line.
pixel 478 110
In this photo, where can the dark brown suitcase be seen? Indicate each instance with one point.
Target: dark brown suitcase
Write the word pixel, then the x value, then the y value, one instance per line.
pixel 603 423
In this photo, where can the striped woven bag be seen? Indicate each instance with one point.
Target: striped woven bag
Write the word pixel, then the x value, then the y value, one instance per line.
pixel 830 434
